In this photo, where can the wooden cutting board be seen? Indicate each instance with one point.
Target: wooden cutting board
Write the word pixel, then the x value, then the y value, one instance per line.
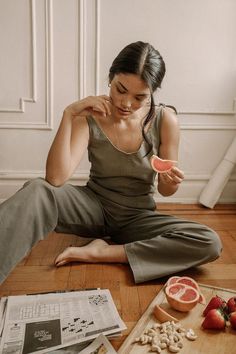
pixel 208 341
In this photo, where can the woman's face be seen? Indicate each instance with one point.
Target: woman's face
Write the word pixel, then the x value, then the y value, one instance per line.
pixel 128 93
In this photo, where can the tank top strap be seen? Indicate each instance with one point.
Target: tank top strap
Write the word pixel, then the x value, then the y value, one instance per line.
pixel 94 130
pixel 162 105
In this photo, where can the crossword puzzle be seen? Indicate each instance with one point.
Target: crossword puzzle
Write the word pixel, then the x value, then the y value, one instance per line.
pixel 77 325
pixel 39 311
pixel 98 300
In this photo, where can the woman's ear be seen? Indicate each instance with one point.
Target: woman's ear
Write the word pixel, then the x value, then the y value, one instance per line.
pixel 148 103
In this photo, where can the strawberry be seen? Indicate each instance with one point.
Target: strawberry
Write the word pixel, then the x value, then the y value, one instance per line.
pixel 232 319
pixel 231 303
pixel 215 319
pixel 215 303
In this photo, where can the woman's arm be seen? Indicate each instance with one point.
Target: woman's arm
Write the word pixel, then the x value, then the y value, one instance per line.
pixel 72 138
pixel 169 182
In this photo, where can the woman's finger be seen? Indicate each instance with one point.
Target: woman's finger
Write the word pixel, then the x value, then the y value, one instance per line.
pixel 166 177
pixel 176 176
pixel 170 178
pixel 100 108
pixel 107 104
pixel 177 172
pixel 107 98
pixel 102 105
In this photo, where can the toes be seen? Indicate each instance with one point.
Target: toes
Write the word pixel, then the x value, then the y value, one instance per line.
pixel 61 263
pixel 62 257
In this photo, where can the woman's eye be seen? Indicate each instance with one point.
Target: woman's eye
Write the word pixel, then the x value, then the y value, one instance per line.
pixel 139 99
pixel 119 90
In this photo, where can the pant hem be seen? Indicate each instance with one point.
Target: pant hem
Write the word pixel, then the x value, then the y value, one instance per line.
pixel 133 262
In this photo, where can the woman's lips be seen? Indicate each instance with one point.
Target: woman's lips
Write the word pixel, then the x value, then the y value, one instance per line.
pixel 123 111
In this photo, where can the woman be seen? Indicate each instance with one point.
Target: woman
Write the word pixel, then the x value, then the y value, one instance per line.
pixel 121 132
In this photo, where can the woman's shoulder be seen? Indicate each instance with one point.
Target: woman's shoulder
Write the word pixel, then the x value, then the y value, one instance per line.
pixel 169 123
pixel 168 114
pixel 167 108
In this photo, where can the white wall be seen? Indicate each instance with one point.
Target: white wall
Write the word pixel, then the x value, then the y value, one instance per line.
pixel 56 51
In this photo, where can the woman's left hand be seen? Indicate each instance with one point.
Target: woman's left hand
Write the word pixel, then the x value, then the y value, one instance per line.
pixel 173 177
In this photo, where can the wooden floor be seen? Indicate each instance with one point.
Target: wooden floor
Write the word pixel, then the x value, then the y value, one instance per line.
pixel 36 272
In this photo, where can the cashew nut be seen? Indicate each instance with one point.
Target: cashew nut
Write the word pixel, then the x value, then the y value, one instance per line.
pixel 190 334
pixel 144 339
pixel 174 349
pixel 165 340
pixel 180 344
pixel 155 348
pixel 163 345
pixel 168 335
pixel 151 332
pixel 156 325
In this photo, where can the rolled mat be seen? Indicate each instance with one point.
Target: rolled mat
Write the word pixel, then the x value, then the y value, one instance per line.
pixel 212 191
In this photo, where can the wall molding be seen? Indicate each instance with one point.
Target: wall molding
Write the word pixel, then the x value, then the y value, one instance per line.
pixel 47 124
pixel 85 20
pixel 227 120
pixel 11 181
pixel 82 50
pixel 184 200
pixel 211 113
pixel 32 99
pixel 83 175
pixel 208 127
pixel 97 44
pixel 27 175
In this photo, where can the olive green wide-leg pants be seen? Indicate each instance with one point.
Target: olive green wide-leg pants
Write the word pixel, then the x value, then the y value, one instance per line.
pixel 156 245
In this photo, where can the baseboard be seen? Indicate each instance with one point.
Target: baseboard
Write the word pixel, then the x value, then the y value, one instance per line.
pixel 188 192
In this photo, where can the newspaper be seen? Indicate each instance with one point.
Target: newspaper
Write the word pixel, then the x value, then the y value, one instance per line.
pixel 3 305
pixel 43 323
pixel 101 345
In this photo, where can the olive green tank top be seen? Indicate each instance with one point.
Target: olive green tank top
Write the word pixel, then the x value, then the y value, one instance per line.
pixel 121 177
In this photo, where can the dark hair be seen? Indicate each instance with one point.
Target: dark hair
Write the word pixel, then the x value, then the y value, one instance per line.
pixel 144 60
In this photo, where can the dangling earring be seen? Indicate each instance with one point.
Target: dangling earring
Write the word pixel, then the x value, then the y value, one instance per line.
pixel 109 85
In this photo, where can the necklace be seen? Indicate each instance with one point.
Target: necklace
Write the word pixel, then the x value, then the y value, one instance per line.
pixel 127 136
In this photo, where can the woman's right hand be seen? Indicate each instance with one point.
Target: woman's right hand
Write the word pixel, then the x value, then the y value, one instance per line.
pixel 99 105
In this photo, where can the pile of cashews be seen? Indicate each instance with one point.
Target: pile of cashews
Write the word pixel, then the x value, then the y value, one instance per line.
pixel 168 335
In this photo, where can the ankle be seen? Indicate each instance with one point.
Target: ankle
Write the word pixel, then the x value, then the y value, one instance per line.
pixel 98 253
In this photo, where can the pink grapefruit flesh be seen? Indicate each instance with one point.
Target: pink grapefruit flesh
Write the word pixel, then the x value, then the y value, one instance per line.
pixel 159 165
pixel 187 281
pixel 172 280
pixel 163 316
pixel 182 297
pixel 191 282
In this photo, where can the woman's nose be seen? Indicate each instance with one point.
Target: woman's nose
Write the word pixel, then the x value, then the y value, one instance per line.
pixel 126 103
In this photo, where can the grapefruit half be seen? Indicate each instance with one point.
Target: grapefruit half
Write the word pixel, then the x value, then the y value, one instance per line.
pixel 159 165
pixel 190 282
pixel 182 297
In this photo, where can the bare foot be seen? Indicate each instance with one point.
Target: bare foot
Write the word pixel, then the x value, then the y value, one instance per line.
pixel 87 253
pixel 96 251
